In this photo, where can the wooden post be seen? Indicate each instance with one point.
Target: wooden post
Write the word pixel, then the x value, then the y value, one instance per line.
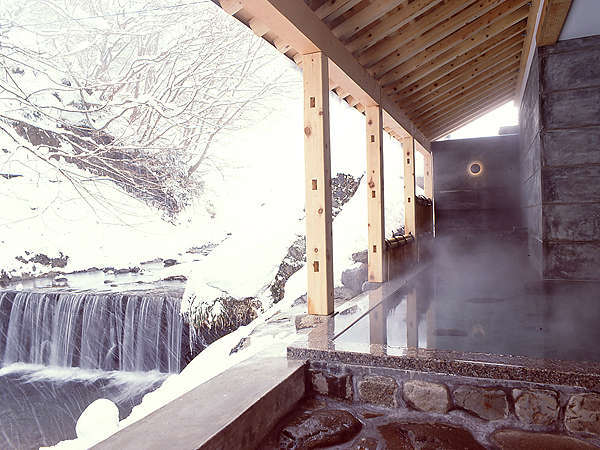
pixel 428 175
pixel 428 186
pixel 317 159
pixel 408 149
pixel 412 320
pixel 377 321
pixel 375 204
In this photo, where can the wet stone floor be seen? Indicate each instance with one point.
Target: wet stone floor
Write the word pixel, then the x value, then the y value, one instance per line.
pixel 321 422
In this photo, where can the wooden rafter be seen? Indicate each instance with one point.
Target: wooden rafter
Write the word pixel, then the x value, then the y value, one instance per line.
pixel 502 17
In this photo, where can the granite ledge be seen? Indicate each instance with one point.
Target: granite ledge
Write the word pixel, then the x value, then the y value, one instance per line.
pixel 584 375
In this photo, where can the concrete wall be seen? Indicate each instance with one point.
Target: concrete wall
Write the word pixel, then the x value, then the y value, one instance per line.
pixel 488 201
pixel 560 159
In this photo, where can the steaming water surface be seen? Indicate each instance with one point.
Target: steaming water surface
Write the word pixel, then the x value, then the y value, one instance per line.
pixel 485 298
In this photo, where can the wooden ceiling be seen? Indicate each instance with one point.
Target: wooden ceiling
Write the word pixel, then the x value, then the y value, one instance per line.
pixel 443 62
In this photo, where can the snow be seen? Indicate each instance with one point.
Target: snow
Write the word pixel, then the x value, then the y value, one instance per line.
pixel 99 419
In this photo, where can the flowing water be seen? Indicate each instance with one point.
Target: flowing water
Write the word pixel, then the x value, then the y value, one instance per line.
pixel 60 351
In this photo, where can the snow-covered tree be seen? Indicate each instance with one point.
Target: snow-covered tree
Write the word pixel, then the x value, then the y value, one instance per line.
pixel 137 91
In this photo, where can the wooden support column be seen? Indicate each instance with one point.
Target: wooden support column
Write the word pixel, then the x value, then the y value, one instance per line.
pixel 428 175
pixel 317 161
pixel 408 149
pixel 412 320
pixel 375 204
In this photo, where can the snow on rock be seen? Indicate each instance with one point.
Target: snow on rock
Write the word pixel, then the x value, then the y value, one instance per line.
pixel 100 418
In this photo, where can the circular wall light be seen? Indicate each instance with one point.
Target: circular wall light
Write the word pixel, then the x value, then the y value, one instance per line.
pixel 475 168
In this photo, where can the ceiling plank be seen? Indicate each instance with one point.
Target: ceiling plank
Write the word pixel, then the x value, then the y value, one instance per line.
pixel 361 19
pixel 437 101
pixel 393 22
pixel 294 22
pixel 426 76
pixel 554 14
pixel 395 50
pixel 485 64
pixel 507 14
pixel 473 115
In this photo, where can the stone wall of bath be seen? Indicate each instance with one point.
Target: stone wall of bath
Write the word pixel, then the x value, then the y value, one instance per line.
pixel 497 413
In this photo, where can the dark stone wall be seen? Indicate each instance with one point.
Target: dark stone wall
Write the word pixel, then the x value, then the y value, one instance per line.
pixel 560 159
pixel 487 202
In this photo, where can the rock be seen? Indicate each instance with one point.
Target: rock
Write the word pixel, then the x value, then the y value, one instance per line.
pixel 99 419
pixel 354 277
pixel 304 321
pixel 583 414
pixel 300 300
pixel 169 262
pixel 369 286
pixel 175 278
pixel 361 257
pixel 366 444
pixel 489 404
pixel 292 262
pixel 428 436
pixel 378 390
pixel 536 406
pixel 526 440
pixel 242 344
pixel 427 397
pixel 321 428
pixel 332 385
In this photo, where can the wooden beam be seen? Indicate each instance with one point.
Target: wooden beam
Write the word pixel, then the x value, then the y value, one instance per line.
pixel 395 51
pixel 453 59
pixel 428 175
pixel 393 22
pixel 533 20
pixel 364 17
pixel 408 151
pixel 461 41
pixel 317 159
pixel 375 194
pixel 554 14
pixel 294 22
pixel 467 91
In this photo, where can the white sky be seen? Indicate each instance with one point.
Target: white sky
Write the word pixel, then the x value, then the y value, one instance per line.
pixel 489 124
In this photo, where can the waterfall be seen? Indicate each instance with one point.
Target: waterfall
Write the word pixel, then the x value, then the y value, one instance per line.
pixel 93 331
